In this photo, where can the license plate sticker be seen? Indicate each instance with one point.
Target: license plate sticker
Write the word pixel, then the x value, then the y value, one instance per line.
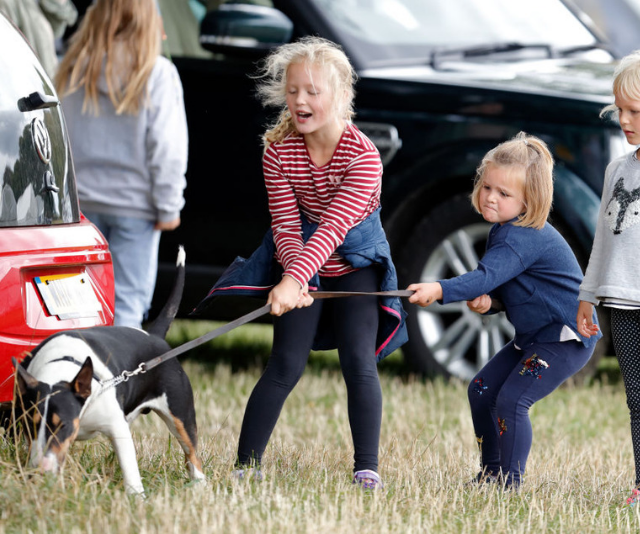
pixel 68 296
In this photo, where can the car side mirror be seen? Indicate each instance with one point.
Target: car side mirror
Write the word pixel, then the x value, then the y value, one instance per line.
pixel 237 29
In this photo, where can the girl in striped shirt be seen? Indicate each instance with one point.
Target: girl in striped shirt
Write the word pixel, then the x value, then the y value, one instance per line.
pixel 321 172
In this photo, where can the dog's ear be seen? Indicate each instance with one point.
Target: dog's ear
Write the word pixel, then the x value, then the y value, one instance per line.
pixel 81 384
pixel 24 379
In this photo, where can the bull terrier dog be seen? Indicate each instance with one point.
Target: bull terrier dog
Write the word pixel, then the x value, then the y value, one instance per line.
pixel 65 391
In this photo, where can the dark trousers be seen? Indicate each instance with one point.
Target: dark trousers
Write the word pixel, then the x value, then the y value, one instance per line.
pixel 354 321
pixel 502 392
pixel 625 332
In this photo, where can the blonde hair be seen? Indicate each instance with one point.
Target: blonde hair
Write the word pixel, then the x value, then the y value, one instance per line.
pixel 532 156
pixel 626 82
pixel 135 27
pixel 312 51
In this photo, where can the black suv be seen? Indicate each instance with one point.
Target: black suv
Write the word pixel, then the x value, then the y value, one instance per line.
pixel 440 83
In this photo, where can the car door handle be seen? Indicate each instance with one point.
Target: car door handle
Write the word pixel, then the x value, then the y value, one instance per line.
pixel 37 100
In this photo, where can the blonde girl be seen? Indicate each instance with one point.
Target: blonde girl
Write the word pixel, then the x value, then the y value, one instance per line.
pixel 611 279
pixel 323 179
pixel 126 119
pixel 530 272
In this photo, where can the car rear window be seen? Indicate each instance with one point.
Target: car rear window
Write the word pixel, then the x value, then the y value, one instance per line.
pixel 37 186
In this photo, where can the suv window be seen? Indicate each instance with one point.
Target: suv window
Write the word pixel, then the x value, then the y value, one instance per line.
pixel 37 185
pixel 429 22
pixel 409 31
pixel 388 32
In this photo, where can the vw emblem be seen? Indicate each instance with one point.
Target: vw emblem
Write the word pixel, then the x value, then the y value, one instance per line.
pixel 41 139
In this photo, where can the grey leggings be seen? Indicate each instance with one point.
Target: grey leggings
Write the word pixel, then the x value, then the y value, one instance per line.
pixel 354 321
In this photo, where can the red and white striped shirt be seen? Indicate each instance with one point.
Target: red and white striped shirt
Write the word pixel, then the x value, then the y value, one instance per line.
pixel 337 196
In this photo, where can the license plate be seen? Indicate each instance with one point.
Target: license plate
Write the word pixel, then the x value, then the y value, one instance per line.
pixel 68 296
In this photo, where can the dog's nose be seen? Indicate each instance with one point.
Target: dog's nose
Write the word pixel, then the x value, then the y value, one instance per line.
pixel 49 464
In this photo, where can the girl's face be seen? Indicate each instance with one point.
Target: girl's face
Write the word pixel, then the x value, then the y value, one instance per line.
pixel 501 196
pixel 629 117
pixel 310 100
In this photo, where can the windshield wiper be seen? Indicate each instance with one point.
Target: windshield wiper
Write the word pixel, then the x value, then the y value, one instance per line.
pixel 583 48
pixel 442 54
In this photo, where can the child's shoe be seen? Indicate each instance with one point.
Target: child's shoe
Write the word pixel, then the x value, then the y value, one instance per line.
pixel 635 497
pixel 368 479
pixel 247 473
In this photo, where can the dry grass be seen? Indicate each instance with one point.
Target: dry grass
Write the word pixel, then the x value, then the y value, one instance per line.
pixel 580 469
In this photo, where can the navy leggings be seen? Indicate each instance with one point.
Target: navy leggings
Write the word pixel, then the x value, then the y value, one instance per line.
pixel 502 392
pixel 354 321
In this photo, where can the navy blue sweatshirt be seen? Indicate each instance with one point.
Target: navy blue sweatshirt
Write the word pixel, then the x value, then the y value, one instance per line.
pixel 536 277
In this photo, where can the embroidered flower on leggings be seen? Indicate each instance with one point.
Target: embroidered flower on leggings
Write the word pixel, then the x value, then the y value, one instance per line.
pixel 502 425
pixel 478 386
pixel 534 366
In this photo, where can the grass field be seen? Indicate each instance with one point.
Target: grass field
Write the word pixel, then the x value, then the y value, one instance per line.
pixel 579 475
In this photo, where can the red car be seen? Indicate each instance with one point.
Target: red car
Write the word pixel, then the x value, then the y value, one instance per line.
pixel 55 266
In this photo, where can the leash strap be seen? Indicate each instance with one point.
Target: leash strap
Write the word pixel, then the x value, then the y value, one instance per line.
pixel 337 294
pixel 207 337
pixel 146 366
pixel 263 310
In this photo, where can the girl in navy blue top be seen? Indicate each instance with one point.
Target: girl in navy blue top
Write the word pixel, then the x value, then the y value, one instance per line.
pixel 530 272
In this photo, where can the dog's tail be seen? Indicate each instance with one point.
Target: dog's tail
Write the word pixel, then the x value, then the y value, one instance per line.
pixel 160 326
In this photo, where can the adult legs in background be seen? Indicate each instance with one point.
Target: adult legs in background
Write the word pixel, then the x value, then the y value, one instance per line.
pixel 134 247
pixel 625 331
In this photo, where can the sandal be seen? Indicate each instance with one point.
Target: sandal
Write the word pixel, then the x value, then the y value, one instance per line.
pixel 368 479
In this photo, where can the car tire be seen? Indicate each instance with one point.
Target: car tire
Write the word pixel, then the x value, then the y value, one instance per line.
pixel 451 340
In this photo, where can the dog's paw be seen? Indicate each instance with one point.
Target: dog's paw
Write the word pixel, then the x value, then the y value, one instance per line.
pixel 198 484
pixel 194 473
pixel 136 491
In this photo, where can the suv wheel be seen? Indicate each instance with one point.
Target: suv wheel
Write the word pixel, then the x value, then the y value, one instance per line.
pixel 451 340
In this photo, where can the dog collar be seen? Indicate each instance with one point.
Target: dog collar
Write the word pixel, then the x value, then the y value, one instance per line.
pixel 73 360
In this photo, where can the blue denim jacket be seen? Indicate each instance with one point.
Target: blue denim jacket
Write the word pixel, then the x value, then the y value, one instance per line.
pixel 364 245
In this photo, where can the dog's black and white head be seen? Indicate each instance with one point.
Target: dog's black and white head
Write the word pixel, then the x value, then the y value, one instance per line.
pixel 51 414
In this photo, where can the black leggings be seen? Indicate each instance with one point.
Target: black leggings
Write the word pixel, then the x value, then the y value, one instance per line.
pixel 625 331
pixel 354 321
